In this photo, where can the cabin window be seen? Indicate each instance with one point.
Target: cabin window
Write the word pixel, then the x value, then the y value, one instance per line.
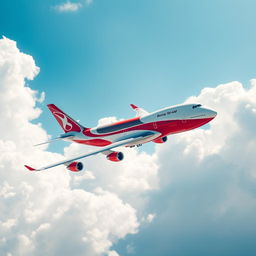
pixel 197 106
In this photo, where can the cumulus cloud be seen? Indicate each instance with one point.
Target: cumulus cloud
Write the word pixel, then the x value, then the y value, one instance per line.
pixel 207 177
pixel 68 7
pixel 71 6
pixel 46 213
pixel 150 217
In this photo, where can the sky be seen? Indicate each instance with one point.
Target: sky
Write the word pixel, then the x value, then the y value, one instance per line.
pixel 195 194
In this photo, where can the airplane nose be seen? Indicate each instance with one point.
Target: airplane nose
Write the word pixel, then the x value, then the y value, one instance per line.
pixel 211 113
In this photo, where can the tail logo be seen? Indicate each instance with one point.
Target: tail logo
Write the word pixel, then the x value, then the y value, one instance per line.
pixel 65 124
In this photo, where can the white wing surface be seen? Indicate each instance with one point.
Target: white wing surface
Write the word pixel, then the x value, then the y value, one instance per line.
pixel 106 148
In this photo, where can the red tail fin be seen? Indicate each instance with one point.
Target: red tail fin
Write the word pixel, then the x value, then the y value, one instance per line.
pixel 66 122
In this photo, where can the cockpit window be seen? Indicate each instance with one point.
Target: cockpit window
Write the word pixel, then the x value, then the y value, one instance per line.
pixel 197 106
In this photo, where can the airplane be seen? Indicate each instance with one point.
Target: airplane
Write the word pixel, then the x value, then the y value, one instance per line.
pixel 145 127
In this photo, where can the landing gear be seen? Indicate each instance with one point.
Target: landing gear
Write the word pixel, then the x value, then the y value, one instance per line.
pixel 138 145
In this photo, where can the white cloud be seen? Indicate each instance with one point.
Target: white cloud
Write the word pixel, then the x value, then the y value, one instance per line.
pixel 42 213
pixel 9 223
pixel 113 253
pixel 68 7
pixel 207 180
pixel 71 6
pixel 150 217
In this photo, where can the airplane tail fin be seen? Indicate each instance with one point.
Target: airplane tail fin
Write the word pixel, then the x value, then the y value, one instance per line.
pixel 67 123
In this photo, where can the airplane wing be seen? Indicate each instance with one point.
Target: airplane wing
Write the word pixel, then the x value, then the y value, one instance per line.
pixel 106 148
pixel 139 111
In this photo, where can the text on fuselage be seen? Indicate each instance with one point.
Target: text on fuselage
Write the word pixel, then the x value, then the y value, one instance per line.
pixel 167 113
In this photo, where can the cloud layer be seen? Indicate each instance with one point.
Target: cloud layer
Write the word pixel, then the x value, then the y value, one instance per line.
pixel 49 213
pixel 207 177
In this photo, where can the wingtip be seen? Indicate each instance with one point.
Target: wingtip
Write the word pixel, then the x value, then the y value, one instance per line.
pixel 29 168
pixel 133 106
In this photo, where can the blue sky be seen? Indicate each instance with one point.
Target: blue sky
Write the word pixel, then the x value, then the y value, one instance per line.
pixel 94 62
pixel 151 53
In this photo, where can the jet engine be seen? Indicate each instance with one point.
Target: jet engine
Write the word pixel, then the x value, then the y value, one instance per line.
pixel 75 167
pixel 161 140
pixel 115 156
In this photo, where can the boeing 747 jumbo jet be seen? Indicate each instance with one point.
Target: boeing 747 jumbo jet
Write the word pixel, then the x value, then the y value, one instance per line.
pixel 143 128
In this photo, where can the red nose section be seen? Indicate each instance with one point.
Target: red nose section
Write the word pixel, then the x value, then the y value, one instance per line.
pixel 29 168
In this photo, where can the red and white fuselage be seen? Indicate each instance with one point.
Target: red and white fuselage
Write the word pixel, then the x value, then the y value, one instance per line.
pixel 161 123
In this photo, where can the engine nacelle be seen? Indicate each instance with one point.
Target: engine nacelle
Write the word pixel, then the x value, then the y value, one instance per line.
pixel 75 167
pixel 161 140
pixel 115 156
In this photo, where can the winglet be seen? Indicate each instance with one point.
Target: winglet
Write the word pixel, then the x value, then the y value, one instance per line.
pixel 29 168
pixel 139 111
pixel 133 106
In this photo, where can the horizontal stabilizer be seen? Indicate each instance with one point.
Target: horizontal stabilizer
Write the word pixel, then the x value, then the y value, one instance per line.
pixel 62 137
